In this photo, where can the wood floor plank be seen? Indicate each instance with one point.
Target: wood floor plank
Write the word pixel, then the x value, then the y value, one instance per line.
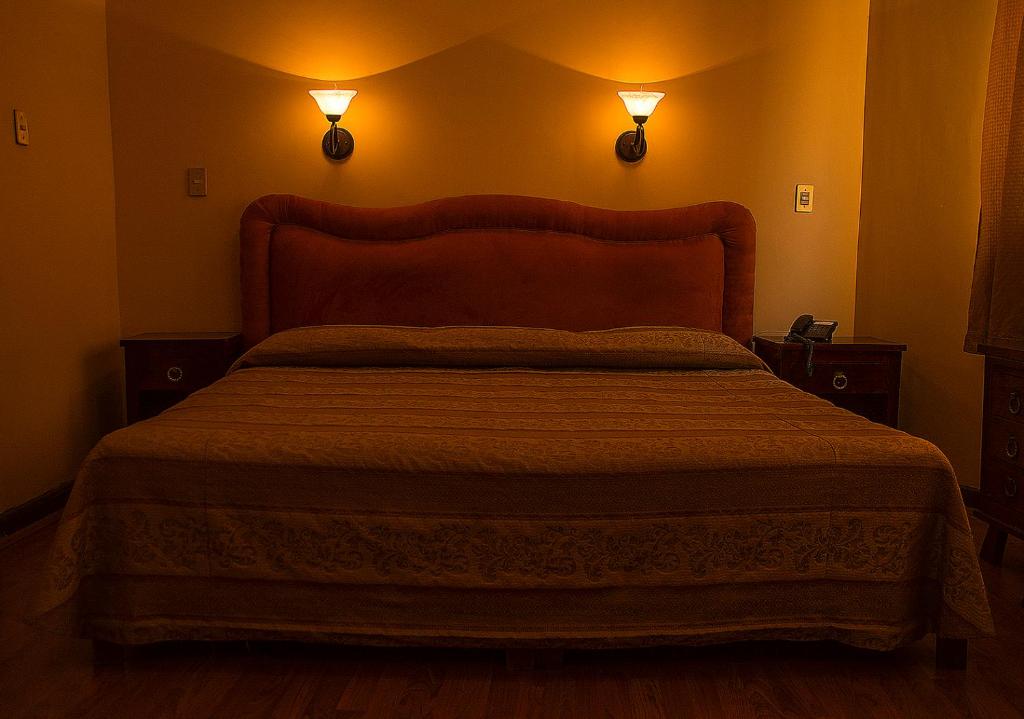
pixel 604 692
pixel 355 700
pixel 46 675
pixel 463 693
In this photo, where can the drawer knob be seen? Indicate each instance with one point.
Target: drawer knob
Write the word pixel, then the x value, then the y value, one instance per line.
pixel 840 380
pixel 174 374
pixel 1011 447
pixel 1014 403
pixel 1010 487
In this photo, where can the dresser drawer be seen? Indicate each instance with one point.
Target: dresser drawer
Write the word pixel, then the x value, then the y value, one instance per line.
pixel 843 378
pixel 1005 392
pixel 1003 440
pixel 1001 486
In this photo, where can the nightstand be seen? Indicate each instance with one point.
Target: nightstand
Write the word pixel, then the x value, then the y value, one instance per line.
pixel 861 374
pixel 161 369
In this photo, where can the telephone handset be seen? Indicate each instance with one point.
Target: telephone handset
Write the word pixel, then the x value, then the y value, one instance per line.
pixel 807 330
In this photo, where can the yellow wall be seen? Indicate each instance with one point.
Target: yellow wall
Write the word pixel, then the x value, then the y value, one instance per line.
pixel 58 289
pixel 460 98
pixel 927 68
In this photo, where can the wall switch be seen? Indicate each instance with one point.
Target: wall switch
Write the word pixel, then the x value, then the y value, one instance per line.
pixel 20 127
pixel 197 181
pixel 804 198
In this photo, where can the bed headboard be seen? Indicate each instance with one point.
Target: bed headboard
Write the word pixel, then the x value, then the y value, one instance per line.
pixel 495 260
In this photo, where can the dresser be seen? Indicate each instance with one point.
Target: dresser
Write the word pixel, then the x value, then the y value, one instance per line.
pixel 999 501
pixel 861 374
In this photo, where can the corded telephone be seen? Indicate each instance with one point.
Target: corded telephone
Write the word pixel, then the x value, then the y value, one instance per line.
pixel 807 330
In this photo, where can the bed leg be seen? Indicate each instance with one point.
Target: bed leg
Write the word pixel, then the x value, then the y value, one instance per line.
pixel 994 545
pixel 950 653
pixel 527 659
pixel 108 654
pixel 550 658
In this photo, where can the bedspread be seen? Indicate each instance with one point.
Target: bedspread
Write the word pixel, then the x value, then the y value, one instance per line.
pixel 509 487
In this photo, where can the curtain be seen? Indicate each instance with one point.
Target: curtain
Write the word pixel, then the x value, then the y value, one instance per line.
pixel 997 294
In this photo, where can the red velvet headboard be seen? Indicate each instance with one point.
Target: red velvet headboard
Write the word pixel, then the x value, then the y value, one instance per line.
pixel 495 260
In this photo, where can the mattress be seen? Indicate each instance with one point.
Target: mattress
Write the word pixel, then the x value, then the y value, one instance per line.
pixel 513 487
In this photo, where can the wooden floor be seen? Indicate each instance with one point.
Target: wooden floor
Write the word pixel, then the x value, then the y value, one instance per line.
pixel 43 675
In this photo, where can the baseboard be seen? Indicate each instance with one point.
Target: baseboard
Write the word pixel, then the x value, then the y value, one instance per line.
pixel 17 518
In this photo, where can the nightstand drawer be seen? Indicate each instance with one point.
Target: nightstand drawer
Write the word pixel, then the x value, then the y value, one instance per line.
pixel 1003 440
pixel 1005 393
pixel 844 378
pixel 860 374
pixel 174 367
pixel 161 369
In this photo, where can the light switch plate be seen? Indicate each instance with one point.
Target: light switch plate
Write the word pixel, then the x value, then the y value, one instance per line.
pixel 20 127
pixel 197 181
pixel 804 198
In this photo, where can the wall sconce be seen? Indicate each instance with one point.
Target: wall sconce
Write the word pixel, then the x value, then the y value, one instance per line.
pixel 632 145
pixel 338 142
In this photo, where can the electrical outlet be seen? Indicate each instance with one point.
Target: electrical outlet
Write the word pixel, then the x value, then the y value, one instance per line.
pixel 804 198
pixel 197 181
pixel 20 127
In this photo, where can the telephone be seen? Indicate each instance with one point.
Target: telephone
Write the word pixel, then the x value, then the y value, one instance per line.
pixel 807 330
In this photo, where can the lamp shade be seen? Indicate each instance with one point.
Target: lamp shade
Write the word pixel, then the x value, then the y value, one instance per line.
pixel 640 103
pixel 333 102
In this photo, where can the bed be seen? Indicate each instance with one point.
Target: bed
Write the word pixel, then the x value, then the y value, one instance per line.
pixel 510 422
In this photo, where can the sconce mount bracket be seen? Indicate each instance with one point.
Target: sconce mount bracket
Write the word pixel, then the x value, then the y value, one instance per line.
pixel 338 143
pixel 628 148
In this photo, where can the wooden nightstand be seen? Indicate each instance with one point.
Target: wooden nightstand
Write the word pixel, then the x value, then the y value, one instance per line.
pixel 1002 441
pixel 861 374
pixel 161 369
